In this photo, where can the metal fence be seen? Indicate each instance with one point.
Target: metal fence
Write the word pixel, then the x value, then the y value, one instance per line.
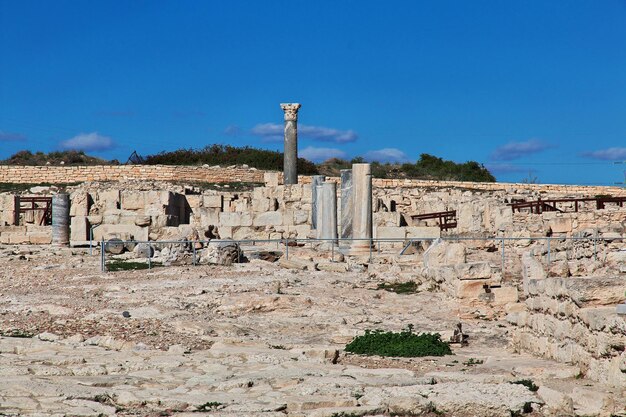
pixel 501 249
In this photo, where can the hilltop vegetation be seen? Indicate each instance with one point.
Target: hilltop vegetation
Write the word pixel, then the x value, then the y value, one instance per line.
pixel 55 158
pixel 428 167
pixel 229 155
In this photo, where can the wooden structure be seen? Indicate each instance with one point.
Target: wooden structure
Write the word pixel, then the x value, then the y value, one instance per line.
pixel 539 206
pixel 446 219
pixel 25 204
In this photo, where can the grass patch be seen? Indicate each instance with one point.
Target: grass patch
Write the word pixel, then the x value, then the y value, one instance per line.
pixel 399 287
pixel 528 383
pixel 472 362
pixel 114 266
pixel 405 344
pixel 208 406
pixel 6 187
pixel 16 333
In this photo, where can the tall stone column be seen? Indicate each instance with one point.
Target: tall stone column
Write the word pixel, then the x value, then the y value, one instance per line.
pixel 329 212
pixel 315 198
pixel 347 206
pixel 362 197
pixel 290 165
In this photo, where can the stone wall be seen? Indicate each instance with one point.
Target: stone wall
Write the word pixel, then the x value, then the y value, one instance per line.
pixel 30 234
pixel 574 320
pixel 74 174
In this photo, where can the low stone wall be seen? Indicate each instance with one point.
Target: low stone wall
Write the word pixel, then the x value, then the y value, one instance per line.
pixel 73 174
pixel 574 320
pixel 34 235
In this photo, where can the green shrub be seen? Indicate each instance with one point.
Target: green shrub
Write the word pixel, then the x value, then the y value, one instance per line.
pixel 113 266
pixel 229 155
pixel 527 383
pixel 399 287
pixel 403 344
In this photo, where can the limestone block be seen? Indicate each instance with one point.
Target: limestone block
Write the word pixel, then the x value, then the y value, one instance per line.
pixel 596 291
pixel 270 218
pixel 556 401
pixel 301 231
pixel 95 219
pixel 470 288
pixel 79 205
pixel 300 217
pixel 473 270
pixel 234 219
pixel 208 216
pixel 621 309
pixel 40 238
pixel 18 238
pixel 79 229
pixel 388 219
pixel 143 221
pixel 505 295
pixel 423 232
pixel 384 232
pixel 261 204
pixel 531 270
pixel 132 200
pixel 194 201
pixel 271 179
pixel 444 253
pixel 120 231
pixel 560 225
pixel 109 198
pixel 212 201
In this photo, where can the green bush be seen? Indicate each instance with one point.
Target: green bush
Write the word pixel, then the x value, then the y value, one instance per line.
pixel 229 155
pixel 528 383
pixel 409 287
pixel 55 158
pixel 404 344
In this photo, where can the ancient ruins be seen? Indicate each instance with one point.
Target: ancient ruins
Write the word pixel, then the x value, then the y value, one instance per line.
pixel 254 289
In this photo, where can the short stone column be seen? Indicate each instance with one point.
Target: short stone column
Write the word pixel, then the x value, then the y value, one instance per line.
pixel 362 195
pixel 61 219
pixel 315 199
pixel 328 211
pixel 290 154
pixel 347 207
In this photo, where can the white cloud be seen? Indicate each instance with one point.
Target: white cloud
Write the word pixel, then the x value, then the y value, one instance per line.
pixel 269 132
pixel 610 154
pixel 11 137
pixel 273 132
pixel 232 130
pixel 325 134
pixel 515 150
pixel 320 154
pixel 504 168
pixel 386 155
pixel 88 142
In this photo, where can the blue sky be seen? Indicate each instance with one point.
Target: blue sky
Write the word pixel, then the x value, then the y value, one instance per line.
pixel 530 89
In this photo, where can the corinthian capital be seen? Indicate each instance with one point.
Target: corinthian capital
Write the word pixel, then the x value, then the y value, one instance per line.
pixel 291 110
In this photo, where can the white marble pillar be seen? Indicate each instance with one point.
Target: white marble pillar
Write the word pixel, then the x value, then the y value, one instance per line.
pixel 362 195
pixel 327 213
pixel 290 155
pixel 315 199
pixel 347 206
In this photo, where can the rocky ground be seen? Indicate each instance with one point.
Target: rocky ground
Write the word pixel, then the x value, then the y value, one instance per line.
pixel 251 339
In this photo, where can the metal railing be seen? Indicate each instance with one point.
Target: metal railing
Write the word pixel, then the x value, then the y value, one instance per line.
pixel 376 246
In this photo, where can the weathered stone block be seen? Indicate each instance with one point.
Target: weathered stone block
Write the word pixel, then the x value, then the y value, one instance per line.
pixel 505 295
pixel 561 225
pixel 79 205
pixel 234 219
pixel 470 288
pixel 79 229
pixel 133 200
pixel 423 232
pixel 473 270
pixel 383 232
pixel 270 218
pixel 15 238
pixel 109 198
pixel 40 238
